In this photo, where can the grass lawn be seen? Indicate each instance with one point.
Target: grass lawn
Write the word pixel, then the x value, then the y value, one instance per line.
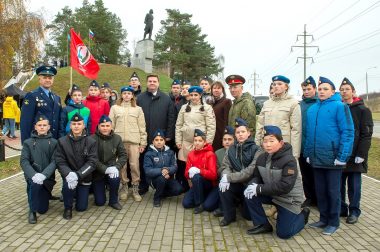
pixel 116 75
pixel 9 167
pixel 374 159
pixel 376 116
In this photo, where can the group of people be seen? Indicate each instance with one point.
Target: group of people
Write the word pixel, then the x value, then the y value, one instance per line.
pixel 198 142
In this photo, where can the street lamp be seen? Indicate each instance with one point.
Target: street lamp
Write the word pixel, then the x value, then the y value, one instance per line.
pixel 366 79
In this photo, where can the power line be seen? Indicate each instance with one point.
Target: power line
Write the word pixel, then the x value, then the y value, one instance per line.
pixel 319 12
pixel 364 49
pixel 348 44
pixel 335 17
pixel 369 9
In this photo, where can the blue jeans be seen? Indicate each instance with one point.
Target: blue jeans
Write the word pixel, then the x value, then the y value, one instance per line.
pixel 327 188
pixel 38 197
pixel 354 188
pixel 202 192
pixel 99 188
pixel 288 223
pixel 80 193
pixel 9 124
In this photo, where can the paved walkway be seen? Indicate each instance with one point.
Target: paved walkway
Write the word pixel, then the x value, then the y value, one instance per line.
pixel 140 227
pixel 13 143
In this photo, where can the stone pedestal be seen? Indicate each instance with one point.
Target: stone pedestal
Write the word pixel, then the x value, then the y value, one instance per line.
pixel 143 56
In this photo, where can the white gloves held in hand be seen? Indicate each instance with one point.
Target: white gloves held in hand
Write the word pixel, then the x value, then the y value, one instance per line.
pixel 308 160
pixel 250 191
pixel 337 162
pixel 72 180
pixel 359 160
pixel 112 171
pixel 193 170
pixel 38 178
pixel 224 185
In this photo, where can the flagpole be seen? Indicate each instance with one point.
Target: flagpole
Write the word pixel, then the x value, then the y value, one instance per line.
pixel 67 51
pixel 89 40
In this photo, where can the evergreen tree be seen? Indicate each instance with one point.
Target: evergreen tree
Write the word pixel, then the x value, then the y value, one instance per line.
pixel 182 46
pixel 109 43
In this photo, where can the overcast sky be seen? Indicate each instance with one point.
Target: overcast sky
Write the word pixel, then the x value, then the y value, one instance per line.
pixel 258 35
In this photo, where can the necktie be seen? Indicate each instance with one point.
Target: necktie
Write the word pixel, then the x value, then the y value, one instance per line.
pixel 51 96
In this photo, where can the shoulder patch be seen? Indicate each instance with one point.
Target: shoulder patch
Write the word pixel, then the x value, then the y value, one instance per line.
pixel 26 102
pixel 291 171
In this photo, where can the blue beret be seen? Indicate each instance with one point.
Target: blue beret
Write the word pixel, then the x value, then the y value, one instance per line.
pixel 127 88
pixel 325 80
pixel 240 122
pixel 160 133
pixel 104 119
pixel 310 80
pixel 40 117
pixel 281 78
pixel 235 79
pixel 229 130
pixel 106 85
pixel 76 118
pixel 94 83
pixel 46 70
pixel 272 130
pixel 134 75
pixel 176 82
pixel 197 89
pixel 198 132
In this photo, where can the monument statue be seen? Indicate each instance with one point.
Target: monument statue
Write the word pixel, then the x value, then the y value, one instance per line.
pixel 148 24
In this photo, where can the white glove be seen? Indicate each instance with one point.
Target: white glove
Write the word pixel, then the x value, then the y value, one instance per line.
pixel 38 178
pixel 308 160
pixel 224 178
pixel 112 171
pixel 73 184
pixel 224 186
pixel 359 160
pixel 337 162
pixel 250 191
pixel 193 170
pixel 72 176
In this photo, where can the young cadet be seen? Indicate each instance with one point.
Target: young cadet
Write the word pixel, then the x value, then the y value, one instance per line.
pixel 228 140
pixel 97 105
pixel 357 163
pixel 74 105
pixel 276 181
pixel 236 170
pixel 76 158
pixel 202 175
pixel 112 156
pixel 160 166
pixel 37 162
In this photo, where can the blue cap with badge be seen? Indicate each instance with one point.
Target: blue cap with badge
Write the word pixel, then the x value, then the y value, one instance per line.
pixel 325 80
pixel 127 88
pixel 197 89
pixel 46 70
pixel 240 122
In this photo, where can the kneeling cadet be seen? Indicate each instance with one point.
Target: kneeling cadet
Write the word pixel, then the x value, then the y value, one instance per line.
pixel 276 181
pixel 111 158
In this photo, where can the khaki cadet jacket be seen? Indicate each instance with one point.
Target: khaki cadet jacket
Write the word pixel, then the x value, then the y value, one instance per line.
pixel 187 122
pixel 243 107
pixel 285 113
pixel 129 123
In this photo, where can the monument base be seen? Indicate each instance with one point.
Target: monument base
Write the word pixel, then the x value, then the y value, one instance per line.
pixel 143 56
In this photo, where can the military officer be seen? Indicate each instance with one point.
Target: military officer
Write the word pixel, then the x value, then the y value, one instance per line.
pixel 41 100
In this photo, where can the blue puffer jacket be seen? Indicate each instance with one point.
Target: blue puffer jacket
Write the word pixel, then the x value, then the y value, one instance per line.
pixel 155 160
pixel 305 104
pixel 330 133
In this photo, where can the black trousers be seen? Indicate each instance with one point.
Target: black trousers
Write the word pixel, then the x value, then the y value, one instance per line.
pixel 307 179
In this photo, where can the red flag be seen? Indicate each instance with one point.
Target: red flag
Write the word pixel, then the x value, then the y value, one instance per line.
pixel 81 58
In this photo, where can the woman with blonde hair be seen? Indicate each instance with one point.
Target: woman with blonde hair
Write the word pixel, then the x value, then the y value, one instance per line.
pixel 128 121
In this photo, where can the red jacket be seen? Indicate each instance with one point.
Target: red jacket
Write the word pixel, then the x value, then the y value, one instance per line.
pixel 98 107
pixel 205 160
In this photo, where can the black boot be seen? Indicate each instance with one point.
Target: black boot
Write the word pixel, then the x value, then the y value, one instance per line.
pixel 32 217
pixel 306 213
pixel 199 209
pixel 68 214
pixel 260 229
